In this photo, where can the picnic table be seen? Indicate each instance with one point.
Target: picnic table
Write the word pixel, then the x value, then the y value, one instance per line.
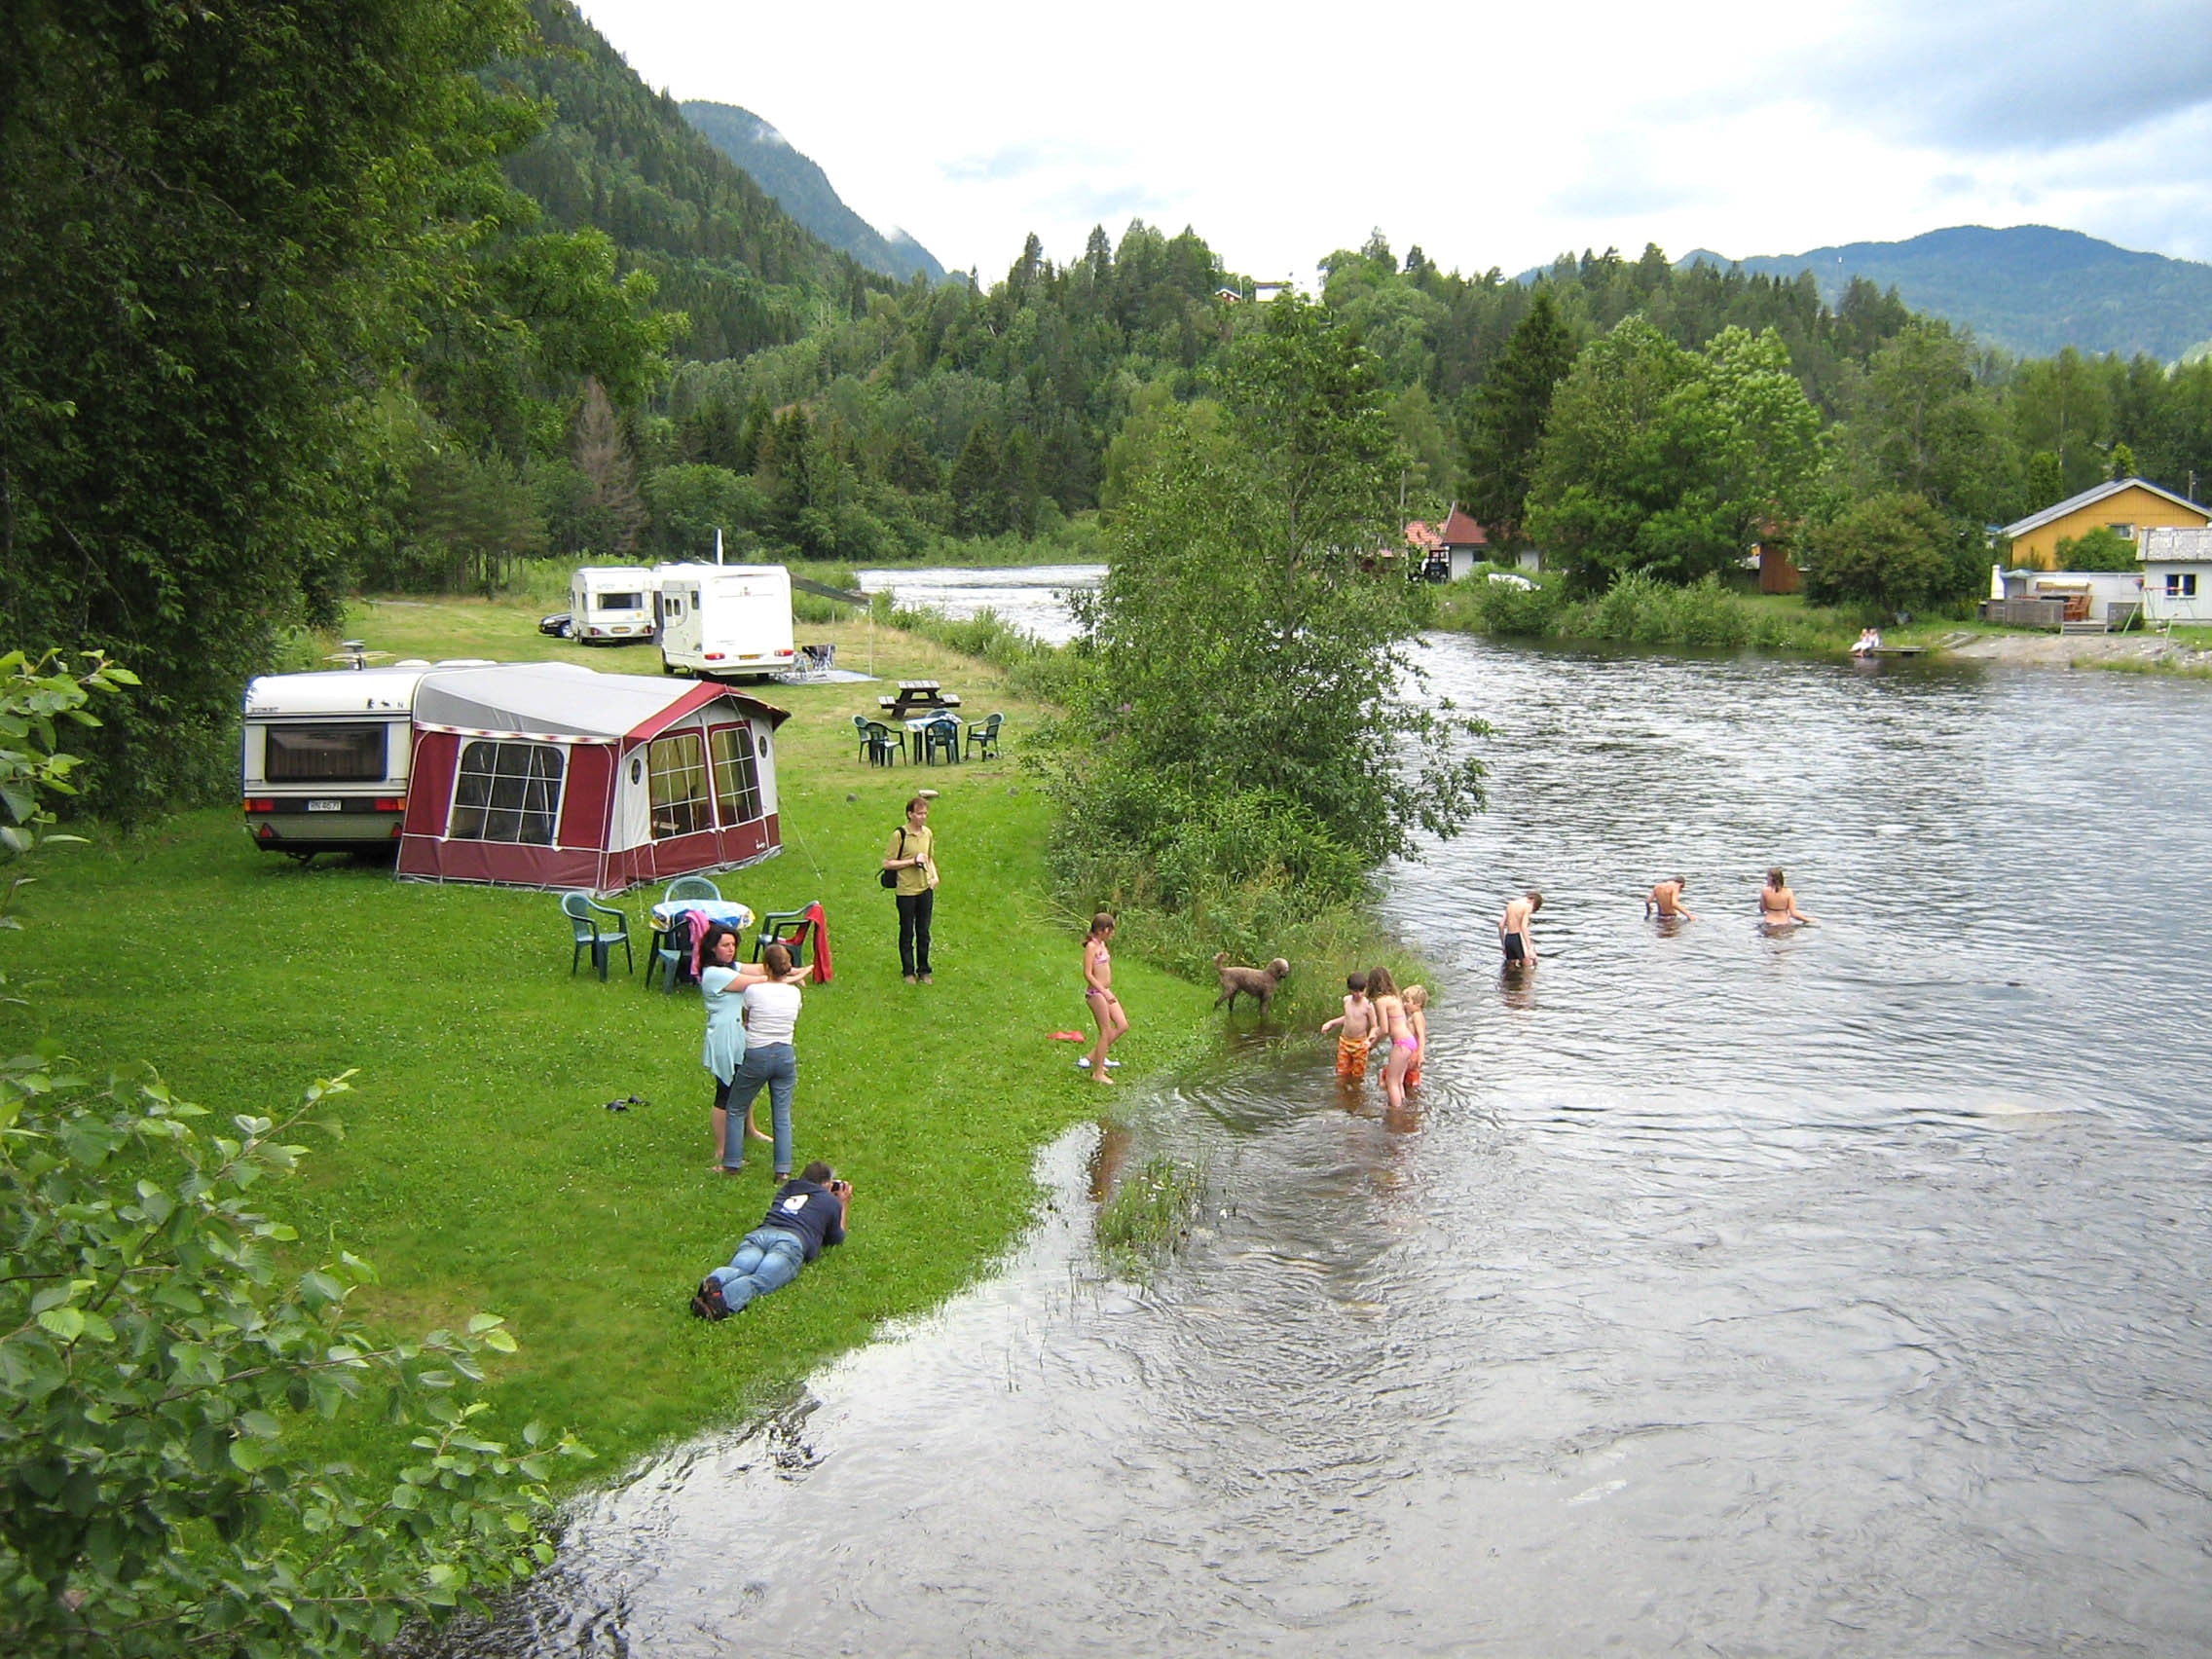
pixel 916 694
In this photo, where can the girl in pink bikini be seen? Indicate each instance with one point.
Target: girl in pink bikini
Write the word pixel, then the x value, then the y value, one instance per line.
pixel 1390 1019
pixel 1098 992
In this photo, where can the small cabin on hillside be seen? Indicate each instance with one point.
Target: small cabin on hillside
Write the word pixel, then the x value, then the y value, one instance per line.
pixel 2129 505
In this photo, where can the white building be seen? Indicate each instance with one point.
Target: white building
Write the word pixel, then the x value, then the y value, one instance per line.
pixel 2177 576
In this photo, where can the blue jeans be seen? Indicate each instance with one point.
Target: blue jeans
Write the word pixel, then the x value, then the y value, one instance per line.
pixel 769 1259
pixel 776 1066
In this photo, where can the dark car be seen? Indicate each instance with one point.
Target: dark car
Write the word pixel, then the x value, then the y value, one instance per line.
pixel 561 624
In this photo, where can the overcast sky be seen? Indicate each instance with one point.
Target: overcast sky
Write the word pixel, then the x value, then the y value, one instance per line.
pixel 1489 134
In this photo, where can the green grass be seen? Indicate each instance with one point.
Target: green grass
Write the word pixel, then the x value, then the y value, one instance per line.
pixel 478 1169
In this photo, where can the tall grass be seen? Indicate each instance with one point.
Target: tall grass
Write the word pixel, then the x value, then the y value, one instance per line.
pixel 1149 1213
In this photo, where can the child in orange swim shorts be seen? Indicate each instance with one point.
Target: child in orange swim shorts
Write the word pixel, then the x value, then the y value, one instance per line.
pixel 1354 1028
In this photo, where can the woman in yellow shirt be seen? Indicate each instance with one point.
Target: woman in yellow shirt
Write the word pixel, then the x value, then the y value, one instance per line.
pixel 911 856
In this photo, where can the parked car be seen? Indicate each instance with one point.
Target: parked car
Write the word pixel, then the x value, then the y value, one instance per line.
pixel 561 624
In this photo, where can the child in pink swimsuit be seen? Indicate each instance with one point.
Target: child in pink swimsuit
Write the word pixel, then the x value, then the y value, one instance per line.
pixel 1391 1021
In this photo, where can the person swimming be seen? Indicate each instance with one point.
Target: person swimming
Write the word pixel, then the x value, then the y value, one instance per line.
pixel 1777 906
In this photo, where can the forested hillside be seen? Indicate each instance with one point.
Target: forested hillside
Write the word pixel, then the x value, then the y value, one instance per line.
pixel 496 299
pixel 620 158
pixel 2029 289
pixel 803 189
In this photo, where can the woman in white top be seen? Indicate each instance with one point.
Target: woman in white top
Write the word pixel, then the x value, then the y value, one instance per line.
pixel 723 979
pixel 771 1014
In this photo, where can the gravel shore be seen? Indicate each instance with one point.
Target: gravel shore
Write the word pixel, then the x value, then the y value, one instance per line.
pixel 2066 650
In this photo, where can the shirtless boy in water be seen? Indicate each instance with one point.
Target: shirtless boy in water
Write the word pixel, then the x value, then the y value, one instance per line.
pixel 1354 1027
pixel 1777 906
pixel 1666 900
pixel 1513 929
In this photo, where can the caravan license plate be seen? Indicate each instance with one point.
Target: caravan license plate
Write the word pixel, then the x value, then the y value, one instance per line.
pixel 326 806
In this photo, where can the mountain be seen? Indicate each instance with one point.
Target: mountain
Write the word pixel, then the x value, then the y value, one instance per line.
pixel 620 158
pixel 804 191
pixel 2031 290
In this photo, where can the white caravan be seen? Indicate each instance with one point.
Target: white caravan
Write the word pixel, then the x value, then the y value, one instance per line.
pixel 610 605
pixel 719 620
pixel 324 758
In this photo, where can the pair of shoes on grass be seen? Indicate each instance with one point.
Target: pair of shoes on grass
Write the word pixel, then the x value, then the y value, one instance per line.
pixel 708 1303
pixel 1085 1063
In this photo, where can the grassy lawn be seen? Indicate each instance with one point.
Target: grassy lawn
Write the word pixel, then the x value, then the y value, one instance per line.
pixel 478 1169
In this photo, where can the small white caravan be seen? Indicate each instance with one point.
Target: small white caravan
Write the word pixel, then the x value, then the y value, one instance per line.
pixel 720 620
pixel 325 756
pixel 610 605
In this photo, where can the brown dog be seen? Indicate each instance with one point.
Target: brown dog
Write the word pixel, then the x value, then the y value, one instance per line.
pixel 1258 984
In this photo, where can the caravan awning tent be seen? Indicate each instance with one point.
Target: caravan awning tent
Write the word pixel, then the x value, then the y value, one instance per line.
pixel 549 775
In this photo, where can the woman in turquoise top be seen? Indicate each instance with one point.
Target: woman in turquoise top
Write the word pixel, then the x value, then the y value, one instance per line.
pixel 723 979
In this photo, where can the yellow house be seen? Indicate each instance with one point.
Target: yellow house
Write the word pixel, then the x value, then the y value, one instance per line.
pixel 2129 505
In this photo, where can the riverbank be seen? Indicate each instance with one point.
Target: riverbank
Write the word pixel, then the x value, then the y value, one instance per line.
pixel 479 1168
pixel 1709 616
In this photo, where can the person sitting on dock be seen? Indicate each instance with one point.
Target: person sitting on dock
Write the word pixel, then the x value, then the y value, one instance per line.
pixel 1665 900
pixel 1869 641
pixel 805 1217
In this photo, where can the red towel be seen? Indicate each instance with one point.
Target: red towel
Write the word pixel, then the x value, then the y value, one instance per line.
pixel 821 920
pixel 1069 1036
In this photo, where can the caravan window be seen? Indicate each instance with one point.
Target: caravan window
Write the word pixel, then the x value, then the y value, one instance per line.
pixel 737 774
pixel 324 754
pixel 677 785
pixel 508 792
pixel 621 602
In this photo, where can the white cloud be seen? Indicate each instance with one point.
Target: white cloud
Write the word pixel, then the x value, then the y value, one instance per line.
pixel 1487 133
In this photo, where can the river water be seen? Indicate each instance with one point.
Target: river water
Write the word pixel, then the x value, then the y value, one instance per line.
pixel 1028 597
pixel 1838 1292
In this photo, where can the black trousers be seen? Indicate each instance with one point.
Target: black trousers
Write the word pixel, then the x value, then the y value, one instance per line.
pixel 914 931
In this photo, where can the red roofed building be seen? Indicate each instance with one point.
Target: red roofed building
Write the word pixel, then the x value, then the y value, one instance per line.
pixel 1468 544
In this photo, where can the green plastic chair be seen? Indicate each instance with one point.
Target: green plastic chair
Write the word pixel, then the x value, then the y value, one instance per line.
pixel 984 734
pixel 859 725
pixel 585 920
pixel 882 741
pixel 793 930
pixel 690 887
pixel 942 734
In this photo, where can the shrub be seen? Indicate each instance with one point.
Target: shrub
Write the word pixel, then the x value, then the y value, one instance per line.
pixel 1894 552
pixel 1508 607
pixel 2103 548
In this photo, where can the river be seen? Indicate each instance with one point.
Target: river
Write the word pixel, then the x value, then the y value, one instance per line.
pixel 1839 1293
pixel 1028 597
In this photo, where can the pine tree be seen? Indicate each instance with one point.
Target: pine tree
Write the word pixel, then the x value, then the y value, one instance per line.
pixel 1508 415
pixel 603 455
pixel 2123 463
pixel 978 493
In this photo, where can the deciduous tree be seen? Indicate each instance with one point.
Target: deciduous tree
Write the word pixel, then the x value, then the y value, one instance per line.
pixel 1240 716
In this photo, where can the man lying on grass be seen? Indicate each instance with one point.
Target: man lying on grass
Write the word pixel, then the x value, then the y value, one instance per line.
pixel 804 1218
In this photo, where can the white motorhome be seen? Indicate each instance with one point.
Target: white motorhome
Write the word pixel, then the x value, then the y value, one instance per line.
pixel 610 605
pixel 719 620
pixel 324 758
